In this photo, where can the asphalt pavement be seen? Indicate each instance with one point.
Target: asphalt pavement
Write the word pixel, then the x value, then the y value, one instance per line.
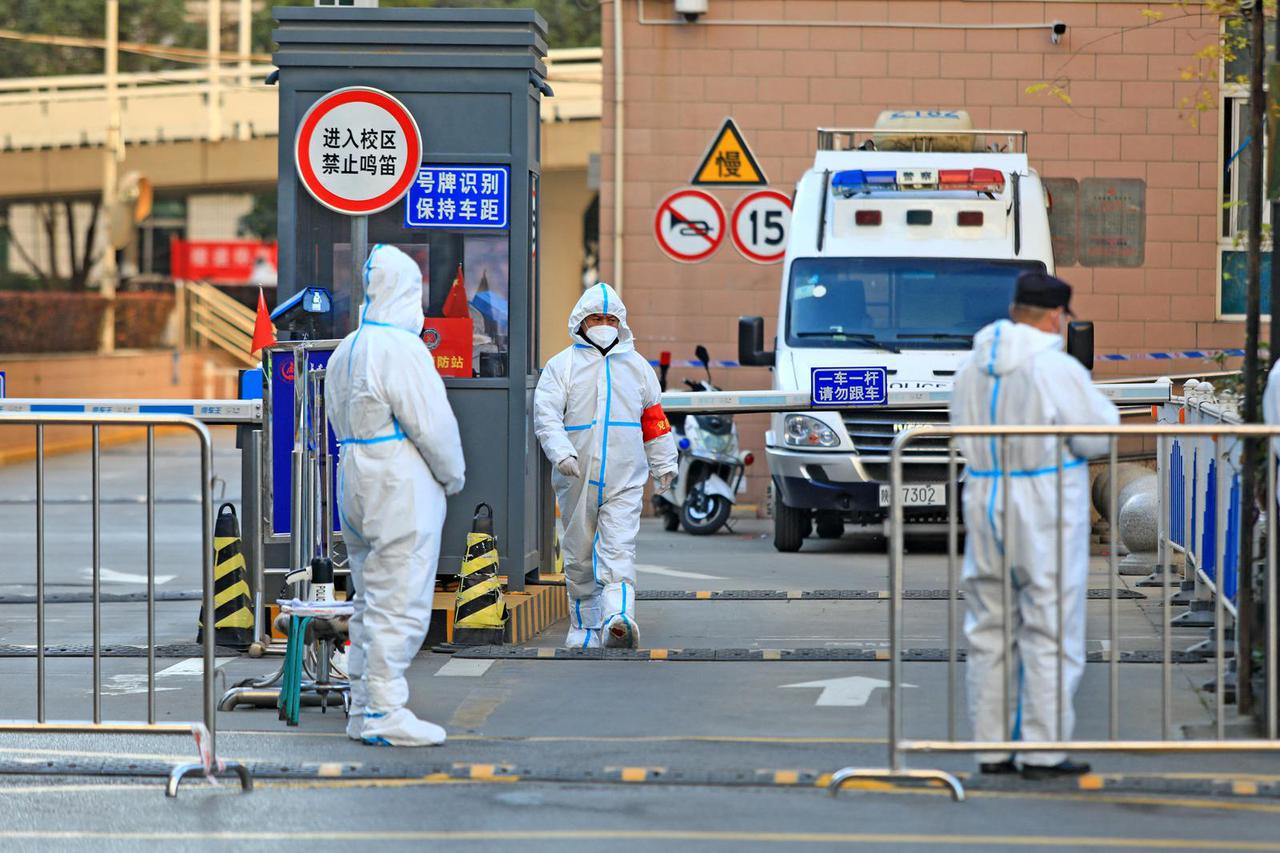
pixel 547 754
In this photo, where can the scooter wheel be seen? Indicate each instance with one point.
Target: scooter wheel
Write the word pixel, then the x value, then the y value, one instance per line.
pixel 703 515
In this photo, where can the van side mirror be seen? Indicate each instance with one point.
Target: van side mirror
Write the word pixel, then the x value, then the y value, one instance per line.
pixel 751 351
pixel 1080 342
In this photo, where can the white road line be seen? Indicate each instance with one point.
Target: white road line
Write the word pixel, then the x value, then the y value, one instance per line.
pixel 465 668
pixel 112 576
pixel 675 573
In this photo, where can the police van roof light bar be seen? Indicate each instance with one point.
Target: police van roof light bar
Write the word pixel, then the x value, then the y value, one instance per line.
pixel 851 182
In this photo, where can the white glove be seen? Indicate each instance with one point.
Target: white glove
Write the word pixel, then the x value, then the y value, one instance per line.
pixel 663 482
pixel 569 467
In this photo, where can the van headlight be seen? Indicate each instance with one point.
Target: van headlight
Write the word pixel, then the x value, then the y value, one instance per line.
pixel 804 431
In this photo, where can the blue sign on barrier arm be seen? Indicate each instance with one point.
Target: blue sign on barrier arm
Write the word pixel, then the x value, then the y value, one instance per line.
pixel 842 387
pixel 459 197
pixel 282 439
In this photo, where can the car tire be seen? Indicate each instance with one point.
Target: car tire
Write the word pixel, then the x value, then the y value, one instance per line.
pixel 790 527
pixel 830 525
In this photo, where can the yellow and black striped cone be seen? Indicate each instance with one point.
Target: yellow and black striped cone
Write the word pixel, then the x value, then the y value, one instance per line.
pixel 479 613
pixel 233 607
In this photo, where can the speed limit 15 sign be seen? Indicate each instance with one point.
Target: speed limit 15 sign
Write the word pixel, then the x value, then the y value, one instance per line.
pixel 759 226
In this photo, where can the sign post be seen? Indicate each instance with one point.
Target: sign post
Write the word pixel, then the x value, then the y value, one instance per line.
pixel 357 152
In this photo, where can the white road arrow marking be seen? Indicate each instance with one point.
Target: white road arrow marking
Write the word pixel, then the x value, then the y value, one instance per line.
pixel 852 691
pixel 464 668
pixel 128 683
pixel 675 573
pixel 112 576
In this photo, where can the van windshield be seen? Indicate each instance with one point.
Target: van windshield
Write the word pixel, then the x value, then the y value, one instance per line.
pixel 897 303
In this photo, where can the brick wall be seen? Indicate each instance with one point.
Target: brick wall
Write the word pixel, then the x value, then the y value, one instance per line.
pixel 1125 81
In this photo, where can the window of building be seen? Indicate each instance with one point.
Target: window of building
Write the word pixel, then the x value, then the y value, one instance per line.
pixel 1236 174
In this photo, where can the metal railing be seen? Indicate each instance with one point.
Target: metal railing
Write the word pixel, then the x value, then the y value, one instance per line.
pixel 209 763
pixel 209 316
pixel 919 139
pixel 899 746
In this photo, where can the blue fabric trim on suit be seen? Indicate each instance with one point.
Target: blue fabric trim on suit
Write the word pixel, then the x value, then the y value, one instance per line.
pixel 1028 472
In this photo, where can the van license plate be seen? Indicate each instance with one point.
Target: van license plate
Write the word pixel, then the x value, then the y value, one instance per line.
pixel 917 494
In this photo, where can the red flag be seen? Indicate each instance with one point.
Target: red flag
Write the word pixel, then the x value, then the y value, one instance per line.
pixel 264 334
pixel 455 304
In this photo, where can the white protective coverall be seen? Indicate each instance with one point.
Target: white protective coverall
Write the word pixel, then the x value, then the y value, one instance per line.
pixel 1018 374
pixel 591 405
pixel 400 455
pixel 1271 405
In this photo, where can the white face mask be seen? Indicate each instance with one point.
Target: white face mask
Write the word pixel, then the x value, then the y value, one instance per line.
pixel 603 336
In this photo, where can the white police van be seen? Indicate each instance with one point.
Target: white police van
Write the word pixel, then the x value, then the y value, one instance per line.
pixel 905 240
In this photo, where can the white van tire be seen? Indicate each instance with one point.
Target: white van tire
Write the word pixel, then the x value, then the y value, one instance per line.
pixel 790 526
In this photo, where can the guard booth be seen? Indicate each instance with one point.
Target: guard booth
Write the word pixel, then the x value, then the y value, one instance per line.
pixel 473 81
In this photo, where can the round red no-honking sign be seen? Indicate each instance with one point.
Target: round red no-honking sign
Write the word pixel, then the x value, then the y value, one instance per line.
pixel 357 150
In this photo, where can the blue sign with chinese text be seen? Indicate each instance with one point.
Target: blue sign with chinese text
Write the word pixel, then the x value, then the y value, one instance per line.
pixel 282 439
pixel 459 197
pixel 850 386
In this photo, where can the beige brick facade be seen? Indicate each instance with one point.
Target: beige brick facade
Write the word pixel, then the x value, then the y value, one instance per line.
pixel 1127 118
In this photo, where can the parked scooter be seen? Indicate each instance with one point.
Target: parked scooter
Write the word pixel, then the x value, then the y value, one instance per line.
pixel 711 465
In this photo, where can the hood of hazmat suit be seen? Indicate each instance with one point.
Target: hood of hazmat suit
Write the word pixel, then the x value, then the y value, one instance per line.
pixel 1018 374
pixel 603 407
pixel 400 456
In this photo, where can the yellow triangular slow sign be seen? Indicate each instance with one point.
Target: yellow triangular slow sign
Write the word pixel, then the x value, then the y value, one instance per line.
pixel 729 162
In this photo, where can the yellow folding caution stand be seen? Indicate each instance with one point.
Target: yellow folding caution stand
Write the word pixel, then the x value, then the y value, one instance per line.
pixel 479 614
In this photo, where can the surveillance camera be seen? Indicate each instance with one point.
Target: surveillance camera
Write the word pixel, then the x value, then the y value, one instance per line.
pixel 691 10
pixel 1059 30
pixel 307 314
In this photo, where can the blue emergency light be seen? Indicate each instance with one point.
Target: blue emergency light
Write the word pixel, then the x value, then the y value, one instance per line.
pixel 852 181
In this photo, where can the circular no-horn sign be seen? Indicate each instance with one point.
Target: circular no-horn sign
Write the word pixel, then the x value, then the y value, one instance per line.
pixel 759 225
pixel 357 150
pixel 689 225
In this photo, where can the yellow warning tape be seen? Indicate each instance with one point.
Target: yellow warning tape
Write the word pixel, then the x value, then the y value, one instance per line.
pixel 466 595
pixel 490 617
pixel 471 565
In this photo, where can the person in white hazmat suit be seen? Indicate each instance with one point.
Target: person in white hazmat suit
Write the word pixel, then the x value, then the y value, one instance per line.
pixel 400 456
pixel 1019 374
pixel 598 416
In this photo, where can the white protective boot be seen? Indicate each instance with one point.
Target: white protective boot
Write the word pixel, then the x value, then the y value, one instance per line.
pixel 584 623
pixel 359 692
pixel 400 728
pixel 620 628
pixel 355 715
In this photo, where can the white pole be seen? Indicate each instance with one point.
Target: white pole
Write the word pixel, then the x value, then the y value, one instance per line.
pixel 110 166
pixel 215 65
pixel 246 31
pixel 619 212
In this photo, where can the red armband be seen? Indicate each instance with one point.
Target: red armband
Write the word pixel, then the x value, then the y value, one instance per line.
pixel 654 423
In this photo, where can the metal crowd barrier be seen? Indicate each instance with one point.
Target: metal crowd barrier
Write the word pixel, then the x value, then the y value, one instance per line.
pixel 205 732
pixel 1192 473
pixel 1218 436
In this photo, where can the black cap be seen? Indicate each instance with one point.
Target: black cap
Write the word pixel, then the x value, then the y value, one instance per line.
pixel 1042 290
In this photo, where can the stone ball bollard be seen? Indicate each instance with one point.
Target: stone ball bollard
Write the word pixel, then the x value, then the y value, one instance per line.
pixel 1139 527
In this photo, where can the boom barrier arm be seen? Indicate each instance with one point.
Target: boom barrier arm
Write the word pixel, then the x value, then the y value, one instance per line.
pixel 745 402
